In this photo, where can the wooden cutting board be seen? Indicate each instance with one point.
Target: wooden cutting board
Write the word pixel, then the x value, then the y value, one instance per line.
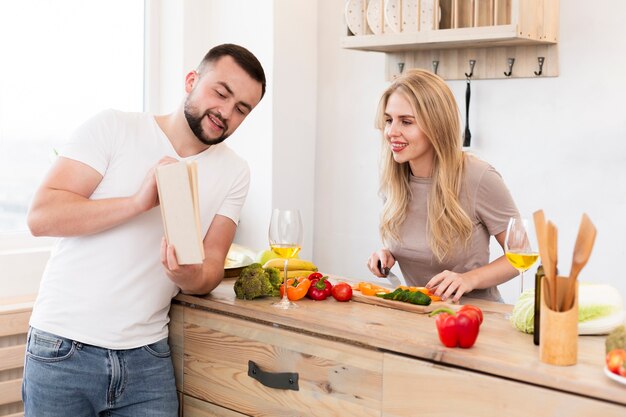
pixel 399 305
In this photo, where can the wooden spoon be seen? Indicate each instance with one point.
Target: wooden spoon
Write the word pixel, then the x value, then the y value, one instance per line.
pixel 582 249
pixel 552 238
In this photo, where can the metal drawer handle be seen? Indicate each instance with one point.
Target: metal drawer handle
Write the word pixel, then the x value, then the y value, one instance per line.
pixel 278 380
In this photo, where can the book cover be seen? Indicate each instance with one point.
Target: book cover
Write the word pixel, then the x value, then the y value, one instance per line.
pixel 177 185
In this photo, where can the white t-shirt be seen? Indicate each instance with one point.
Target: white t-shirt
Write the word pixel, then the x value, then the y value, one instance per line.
pixel 110 289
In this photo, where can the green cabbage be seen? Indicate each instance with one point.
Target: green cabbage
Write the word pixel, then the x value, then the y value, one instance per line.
pixel 600 309
pixel 524 312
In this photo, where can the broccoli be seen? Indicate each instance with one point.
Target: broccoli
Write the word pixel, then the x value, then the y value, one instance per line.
pixel 275 278
pixel 616 339
pixel 255 281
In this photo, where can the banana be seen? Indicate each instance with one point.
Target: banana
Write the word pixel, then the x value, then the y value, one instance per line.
pixel 292 264
pixel 297 273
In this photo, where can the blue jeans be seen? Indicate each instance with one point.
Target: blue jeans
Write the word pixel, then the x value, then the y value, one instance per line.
pixel 64 378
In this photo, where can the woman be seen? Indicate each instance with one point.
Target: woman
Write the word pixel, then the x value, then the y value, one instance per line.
pixel 441 205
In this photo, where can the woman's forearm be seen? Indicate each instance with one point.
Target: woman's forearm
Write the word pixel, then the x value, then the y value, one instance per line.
pixel 492 274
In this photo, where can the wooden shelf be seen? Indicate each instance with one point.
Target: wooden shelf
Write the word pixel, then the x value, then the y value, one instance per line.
pixel 478 37
pixel 490 32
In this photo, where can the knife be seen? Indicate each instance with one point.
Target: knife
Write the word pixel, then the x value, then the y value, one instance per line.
pixel 393 279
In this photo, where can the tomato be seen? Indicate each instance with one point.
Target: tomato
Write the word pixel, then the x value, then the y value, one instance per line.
pixel 475 309
pixel 615 360
pixel 342 291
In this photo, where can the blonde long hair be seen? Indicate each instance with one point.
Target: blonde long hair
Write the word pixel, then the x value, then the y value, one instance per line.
pixel 437 115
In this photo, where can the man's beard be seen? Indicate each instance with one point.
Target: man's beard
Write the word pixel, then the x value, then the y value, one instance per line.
pixel 195 124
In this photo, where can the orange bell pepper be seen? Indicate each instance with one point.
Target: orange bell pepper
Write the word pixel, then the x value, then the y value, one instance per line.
pixel 426 291
pixel 296 288
pixel 367 288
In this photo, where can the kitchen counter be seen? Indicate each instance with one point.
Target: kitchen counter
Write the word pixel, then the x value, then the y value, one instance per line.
pixel 371 360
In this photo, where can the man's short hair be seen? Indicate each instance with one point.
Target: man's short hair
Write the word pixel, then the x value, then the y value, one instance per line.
pixel 243 57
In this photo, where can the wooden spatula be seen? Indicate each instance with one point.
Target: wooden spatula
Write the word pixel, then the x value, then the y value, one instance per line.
pixel 540 230
pixel 582 249
pixel 552 238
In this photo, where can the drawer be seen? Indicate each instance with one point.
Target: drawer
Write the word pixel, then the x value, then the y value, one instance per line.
pixel 335 379
pixel 445 391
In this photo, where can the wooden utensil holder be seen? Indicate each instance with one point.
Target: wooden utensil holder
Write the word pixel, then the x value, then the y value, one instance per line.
pixel 558 334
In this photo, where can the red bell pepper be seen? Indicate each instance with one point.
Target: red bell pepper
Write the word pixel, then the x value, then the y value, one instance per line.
pixel 479 312
pixel 457 329
pixel 320 288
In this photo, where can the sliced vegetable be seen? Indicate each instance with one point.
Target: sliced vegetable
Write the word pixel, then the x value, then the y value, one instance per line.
pixel 399 294
pixel 367 288
pixel 297 288
pixel 423 290
pixel 427 291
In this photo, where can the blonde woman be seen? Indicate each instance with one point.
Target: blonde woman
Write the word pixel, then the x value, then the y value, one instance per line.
pixel 441 205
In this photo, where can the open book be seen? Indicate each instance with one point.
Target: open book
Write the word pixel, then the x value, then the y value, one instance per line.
pixel 177 184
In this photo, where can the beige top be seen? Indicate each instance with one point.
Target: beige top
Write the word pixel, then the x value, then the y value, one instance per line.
pixel 487 201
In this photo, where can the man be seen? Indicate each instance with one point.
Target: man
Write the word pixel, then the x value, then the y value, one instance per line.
pixel 98 338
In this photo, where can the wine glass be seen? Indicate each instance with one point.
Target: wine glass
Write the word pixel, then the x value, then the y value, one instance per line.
pixel 285 236
pixel 520 246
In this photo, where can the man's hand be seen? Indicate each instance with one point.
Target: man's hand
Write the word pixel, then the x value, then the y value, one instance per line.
pixel 147 196
pixel 184 276
pixel 202 278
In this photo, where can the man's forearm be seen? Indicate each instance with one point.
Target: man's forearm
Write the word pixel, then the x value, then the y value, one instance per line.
pixel 62 213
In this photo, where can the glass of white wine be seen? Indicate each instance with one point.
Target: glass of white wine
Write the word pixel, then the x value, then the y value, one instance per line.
pixel 520 246
pixel 285 236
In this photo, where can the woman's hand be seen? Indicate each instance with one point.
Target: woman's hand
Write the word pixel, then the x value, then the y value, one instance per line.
pixel 448 284
pixel 386 260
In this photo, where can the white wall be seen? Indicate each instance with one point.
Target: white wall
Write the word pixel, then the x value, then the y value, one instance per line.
pixel 278 138
pixel 559 143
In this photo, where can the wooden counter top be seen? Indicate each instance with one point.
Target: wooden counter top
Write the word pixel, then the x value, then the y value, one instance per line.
pixel 500 350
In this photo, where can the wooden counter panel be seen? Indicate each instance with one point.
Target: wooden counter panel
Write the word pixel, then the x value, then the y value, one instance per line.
pixel 192 407
pixel 500 349
pixel 176 342
pixel 446 391
pixel 334 378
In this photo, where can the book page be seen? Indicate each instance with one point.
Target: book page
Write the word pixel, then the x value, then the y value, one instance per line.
pixel 179 211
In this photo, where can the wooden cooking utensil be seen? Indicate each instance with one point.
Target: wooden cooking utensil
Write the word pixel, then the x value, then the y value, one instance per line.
pixel 582 249
pixel 552 238
pixel 540 230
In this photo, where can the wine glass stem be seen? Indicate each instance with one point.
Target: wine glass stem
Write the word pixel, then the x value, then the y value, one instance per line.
pixel 521 282
pixel 285 297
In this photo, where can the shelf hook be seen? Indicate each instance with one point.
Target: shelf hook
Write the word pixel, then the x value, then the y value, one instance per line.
pixel 472 62
pixel 400 67
pixel 510 63
pixel 435 66
pixel 541 60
